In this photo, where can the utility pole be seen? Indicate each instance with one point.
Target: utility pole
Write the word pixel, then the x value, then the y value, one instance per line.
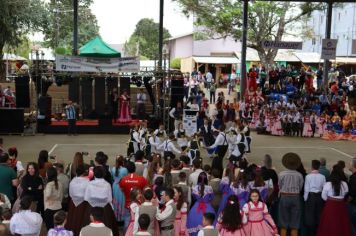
pixel 326 68
pixel 75 27
pixel 243 71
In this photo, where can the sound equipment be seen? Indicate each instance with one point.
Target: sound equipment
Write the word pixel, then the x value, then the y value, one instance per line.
pixel 22 91
pixel 111 83
pixel 44 105
pixel 87 96
pixel 124 85
pixel 11 120
pixel 73 90
pixel 100 96
pixel 177 91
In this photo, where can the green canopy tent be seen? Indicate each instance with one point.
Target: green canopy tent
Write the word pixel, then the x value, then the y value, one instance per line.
pixel 98 48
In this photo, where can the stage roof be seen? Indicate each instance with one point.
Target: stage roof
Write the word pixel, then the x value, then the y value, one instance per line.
pixel 98 48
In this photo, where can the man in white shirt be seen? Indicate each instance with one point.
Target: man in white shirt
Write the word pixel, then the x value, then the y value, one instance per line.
pixel 221 146
pixel 140 107
pixel 168 148
pixel 208 230
pixel 193 177
pixel 26 222
pixel 314 204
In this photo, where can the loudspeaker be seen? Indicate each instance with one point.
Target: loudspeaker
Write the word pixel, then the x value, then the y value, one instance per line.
pixel 177 91
pixel 45 109
pixel 73 90
pixel 111 83
pixel 87 96
pixel 100 96
pixel 22 91
pixel 12 120
pixel 124 85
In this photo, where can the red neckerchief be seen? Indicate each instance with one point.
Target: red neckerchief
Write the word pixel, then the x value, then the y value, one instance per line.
pixel 163 208
pixel 96 222
pixel 255 204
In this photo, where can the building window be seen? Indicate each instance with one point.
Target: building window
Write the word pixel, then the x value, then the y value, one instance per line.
pixel 313 41
pixel 339 16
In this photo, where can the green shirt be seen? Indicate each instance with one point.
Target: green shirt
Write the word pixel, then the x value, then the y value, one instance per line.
pixel 7 174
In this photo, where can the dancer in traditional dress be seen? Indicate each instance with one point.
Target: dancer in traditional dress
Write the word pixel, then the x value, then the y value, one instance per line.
pixel 136 199
pixel 307 129
pixel 203 195
pixel 232 219
pixel 259 221
pixel 125 113
pixel 118 172
pixel 181 216
pixel 181 137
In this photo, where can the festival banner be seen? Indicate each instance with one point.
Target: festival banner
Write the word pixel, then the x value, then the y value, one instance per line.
pixel 282 45
pixel 90 64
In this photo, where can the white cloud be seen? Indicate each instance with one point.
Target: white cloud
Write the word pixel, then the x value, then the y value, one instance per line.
pixel 117 18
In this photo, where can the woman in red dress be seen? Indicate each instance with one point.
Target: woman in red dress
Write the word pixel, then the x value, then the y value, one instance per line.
pixel 125 114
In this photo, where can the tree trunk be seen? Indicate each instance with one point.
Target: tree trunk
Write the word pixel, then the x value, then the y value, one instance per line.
pixel 2 64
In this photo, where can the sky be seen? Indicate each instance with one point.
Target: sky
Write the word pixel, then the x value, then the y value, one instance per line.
pixel 117 18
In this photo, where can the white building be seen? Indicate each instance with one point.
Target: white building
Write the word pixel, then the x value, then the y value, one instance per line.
pixel 343 28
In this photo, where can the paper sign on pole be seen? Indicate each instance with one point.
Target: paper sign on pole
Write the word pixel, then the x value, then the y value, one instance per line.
pixel 328 49
pixel 90 64
pixel 282 45
pixel 190 121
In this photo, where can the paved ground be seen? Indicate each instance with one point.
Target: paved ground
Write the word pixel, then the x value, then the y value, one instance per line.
pixel 64 147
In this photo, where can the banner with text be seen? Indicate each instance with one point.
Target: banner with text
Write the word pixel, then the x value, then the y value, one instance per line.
pixel 282 45
pixel 90 64
pixel 328 49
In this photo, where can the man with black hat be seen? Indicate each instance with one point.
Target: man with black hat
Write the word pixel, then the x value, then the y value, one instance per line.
pixel 290 185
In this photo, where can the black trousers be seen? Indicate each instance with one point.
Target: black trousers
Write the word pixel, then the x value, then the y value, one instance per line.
pixel 212 97
pixel 313 209
pixel 48 218
pixel 72 126
pixel 217 162
pixel 141 111
pixel 115 109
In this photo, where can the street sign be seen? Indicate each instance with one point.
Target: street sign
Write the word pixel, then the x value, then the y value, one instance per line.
pixel 282 45
pixel 328 49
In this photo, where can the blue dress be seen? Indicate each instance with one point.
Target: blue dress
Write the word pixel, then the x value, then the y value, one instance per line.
pixel 118 195
pixel 225 189
pixel 200 207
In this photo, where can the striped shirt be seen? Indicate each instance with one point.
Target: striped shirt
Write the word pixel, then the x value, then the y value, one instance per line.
pixel 290 181
pixel 70 112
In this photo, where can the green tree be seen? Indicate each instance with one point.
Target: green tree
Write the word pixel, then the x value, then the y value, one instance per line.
pixel 176 63
pixel 267 20
pixel 17 18
pixel 146 37
pixel 59 33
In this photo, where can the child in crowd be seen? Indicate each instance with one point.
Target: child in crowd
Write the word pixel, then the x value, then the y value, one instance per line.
pixel 181 216
pixel 260 221
pixel 143 222
pixel 232 219
pixel 208 230
pixel 59 220
pixel 135 197
pixel 147 208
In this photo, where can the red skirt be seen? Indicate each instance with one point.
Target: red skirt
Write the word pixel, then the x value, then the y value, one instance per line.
pixel 75 219
pixel 335 220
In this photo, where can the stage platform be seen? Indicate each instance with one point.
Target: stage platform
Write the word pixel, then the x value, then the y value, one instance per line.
pixel 101 126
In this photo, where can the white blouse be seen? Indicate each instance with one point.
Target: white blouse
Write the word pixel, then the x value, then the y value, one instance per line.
pixel 77 188
pixel 98 193
pixel 328 191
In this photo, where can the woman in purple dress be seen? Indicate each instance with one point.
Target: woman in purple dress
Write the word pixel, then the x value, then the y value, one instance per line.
pixel 203 194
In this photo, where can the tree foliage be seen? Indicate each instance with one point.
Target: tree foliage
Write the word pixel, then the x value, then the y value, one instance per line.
pixel 17 18
pixel 176 63
pixel 144 39
pixel 267 20
pixel 59 33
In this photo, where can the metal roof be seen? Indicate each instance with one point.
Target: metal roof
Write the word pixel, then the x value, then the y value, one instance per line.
pixel 12 57
pixel 217 60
